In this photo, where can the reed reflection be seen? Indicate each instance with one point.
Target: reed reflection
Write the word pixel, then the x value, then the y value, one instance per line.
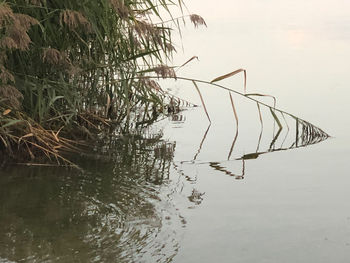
pixel 111 212
pixel 304 134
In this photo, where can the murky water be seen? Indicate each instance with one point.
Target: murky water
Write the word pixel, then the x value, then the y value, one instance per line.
pixel 205 193
pixel 118 210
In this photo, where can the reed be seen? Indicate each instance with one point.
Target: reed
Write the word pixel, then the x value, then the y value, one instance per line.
pixel 273 109
pixel 70 70
pixel 77 68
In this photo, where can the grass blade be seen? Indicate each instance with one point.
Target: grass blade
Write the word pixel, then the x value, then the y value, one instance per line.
pixel 263 95
pixel 10 123
pixel 188 61
pixel 232 74
pixel 200 95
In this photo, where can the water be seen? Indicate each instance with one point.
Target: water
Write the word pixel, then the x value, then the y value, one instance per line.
pixel 292 205
pixel 188 197
pixel 113 211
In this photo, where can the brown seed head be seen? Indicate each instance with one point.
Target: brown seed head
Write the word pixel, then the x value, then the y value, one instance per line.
pixel 169 47
pixel 52 56
pixel 197 20
pixel 5 75
pixel 74 19
pixel 8 43
pixel 151 84
pixel 165 71
pixel 6 14
pixel 122 10
pixel 12 97
pixel 19 36
pixel 143 28
pixel 25 21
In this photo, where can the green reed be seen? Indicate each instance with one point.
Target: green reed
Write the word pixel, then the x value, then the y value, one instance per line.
pixel 75 68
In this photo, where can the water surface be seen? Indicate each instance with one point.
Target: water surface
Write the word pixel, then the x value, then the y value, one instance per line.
pixel 292 205
pixel 190 196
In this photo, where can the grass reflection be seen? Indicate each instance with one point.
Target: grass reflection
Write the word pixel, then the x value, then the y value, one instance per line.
pixel 111 212
pixel 303 134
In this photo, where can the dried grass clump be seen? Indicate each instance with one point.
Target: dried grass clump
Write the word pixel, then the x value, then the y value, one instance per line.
pixel 24 139
pixel 197 20
pixel 74 19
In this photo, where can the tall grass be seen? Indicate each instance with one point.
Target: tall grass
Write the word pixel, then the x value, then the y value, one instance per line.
pixel 72 70
pixel 76 68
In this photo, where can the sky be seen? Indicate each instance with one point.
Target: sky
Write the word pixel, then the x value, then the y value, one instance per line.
pixel 296 50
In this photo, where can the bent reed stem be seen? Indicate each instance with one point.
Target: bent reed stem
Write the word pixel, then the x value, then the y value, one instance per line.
pixel 236 92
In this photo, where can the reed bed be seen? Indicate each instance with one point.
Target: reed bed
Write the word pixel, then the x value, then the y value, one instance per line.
pixel 71 69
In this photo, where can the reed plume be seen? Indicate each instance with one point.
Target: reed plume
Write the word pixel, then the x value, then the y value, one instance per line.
pixel 74 19
pixel 197 20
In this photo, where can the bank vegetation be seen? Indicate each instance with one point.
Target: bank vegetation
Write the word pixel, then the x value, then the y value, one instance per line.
pixel 71 70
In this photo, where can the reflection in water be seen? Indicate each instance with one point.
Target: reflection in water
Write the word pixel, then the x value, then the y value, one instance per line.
pixel 234 142
pixel 305 134
pixel 309 134
pixel 236 118
pixel 196 197
pixel 202 141
pixel 116 211
pixel 121 208
pixel 217 166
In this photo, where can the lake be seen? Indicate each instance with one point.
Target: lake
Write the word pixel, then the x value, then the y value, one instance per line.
pixel 187 191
